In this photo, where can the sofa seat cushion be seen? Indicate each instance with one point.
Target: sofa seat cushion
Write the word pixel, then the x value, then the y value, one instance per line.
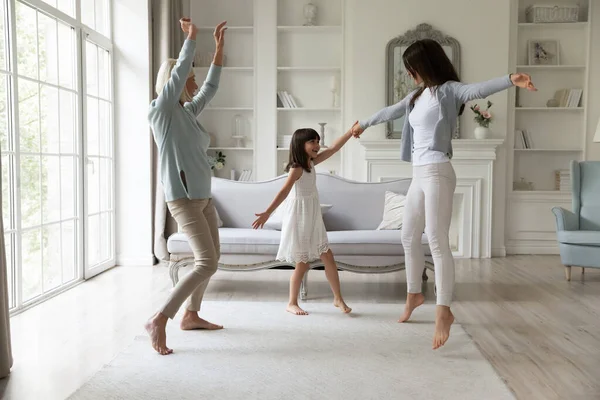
pixel 583 238
pixel 264 241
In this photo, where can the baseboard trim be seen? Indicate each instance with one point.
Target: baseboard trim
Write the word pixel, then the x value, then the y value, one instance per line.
pixel 499 252
pixel 524 248
pixel 133 260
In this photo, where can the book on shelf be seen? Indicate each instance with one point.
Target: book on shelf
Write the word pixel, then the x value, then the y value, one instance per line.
pixel 568 98
pixel 245 175
pixel 523 140
pixel 562 180
pixel 285 100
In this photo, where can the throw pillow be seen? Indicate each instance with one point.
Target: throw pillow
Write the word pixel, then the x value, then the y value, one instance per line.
pixel 393 211
pixel 276 220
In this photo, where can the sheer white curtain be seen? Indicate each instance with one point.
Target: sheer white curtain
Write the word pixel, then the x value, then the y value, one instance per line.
pixel 5 349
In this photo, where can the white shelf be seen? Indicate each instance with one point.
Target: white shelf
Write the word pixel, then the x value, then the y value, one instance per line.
pixel 228 109
pixel 227 69
pixel 308 109
pixel 231 148
pixel 283 149
pixel 542 193
pixel 309 69
pixel 550 150
pixel 316 28
pixel 551 67
pixel 554 25
pixel 549 108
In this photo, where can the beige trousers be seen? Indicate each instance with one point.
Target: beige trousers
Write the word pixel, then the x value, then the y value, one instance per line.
pixel 198 220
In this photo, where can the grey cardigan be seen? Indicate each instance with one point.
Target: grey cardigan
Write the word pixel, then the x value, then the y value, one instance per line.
pixel 451 95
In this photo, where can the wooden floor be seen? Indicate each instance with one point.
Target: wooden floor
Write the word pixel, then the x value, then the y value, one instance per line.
pixel 541 333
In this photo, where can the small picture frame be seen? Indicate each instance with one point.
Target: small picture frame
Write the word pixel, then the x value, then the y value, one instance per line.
pixel 543 52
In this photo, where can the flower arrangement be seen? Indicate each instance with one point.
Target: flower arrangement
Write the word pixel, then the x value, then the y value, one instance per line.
pixel 217 162
pixel 483 118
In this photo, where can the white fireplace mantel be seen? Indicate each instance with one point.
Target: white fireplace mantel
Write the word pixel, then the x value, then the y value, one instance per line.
pixel 473 161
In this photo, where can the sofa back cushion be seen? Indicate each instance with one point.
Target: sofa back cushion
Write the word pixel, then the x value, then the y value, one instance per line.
pixel 589 197
pixel 356 205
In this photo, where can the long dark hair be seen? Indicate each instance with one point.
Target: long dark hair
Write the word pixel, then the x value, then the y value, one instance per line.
pixel 427 58
pixel 298 156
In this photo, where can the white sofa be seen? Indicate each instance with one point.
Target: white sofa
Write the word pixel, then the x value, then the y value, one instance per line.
pixel 351 227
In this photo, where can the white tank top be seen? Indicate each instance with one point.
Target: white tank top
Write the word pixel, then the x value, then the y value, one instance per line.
pixel 423 118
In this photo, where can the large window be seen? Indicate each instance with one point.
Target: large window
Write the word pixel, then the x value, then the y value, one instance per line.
pixel 56 144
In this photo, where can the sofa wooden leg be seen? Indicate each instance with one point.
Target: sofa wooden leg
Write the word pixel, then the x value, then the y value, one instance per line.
pixel 303 290
pixel 568 272
pixel 582 271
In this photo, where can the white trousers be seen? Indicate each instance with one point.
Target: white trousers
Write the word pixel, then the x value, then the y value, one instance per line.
pixel 429 208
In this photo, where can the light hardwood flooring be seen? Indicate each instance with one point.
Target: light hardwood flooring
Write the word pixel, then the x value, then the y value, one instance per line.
pixel 540 332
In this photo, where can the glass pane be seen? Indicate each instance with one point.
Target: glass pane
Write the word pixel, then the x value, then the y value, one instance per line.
pixel 103 73
pixel 29 124
pixel 4 102
pixel 50 134
pixel 30 191
pixel 69 253
pixel 87 13
pixel 105 236
pixel 8 245
pixel 26 41
pixel 7 189
pixel 91 68
pixel 52 257
pixel 51 189
pixel 93 184
pixel 93 240
pixel 48 49
pixel 68 121
pixel 66 6
pixel 31 256
pixel 92 127
pixel 66 53
pixel 104 129
pixel 68 185
pixel 2 36
pixel 102 17
pixel 105 184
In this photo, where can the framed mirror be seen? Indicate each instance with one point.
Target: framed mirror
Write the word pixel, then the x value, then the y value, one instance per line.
pixel 399 84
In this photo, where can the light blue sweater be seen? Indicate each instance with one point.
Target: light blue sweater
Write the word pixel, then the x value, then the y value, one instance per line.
pixel 451 95
pixel 181 140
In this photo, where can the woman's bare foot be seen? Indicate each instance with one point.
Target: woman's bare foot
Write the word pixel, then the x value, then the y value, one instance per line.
pixel 156 328
pixel 443 320
pixel 192 321
pixel 295 309
pixel 413 300
pixel 339 303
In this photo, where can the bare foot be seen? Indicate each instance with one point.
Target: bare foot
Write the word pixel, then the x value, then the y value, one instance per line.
pixel 192 321
pixel 295 309
pixel 156 328
pixel 443 320
pixel 413 300
pixel 339 303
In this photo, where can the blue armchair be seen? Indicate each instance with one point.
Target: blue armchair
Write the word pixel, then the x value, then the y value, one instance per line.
pixel 579 231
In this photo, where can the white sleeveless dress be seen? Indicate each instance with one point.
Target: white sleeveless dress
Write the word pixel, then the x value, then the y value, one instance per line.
pixel 303 234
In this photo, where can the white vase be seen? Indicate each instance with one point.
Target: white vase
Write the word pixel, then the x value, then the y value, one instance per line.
pixel 481 132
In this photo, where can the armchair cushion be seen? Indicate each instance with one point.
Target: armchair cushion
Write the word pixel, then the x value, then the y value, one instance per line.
pixel 583 238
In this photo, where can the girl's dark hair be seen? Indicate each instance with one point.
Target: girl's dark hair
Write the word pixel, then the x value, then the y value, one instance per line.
pixel 298 156
pixel 427 58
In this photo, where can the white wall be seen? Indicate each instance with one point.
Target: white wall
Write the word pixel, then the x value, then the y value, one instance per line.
pixel 594 86
pixel 132 140
pixel 482 29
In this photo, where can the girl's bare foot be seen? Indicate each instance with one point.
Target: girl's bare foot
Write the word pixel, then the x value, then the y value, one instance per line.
pixel 339 303
pixel 295 309
pixel 192 321
pixel 443 320
pixel 413 300
pixel 156 328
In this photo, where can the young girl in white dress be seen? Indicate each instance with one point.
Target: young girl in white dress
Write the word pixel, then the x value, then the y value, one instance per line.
pixel 303 234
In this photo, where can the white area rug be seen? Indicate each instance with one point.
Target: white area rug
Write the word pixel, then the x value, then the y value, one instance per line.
pixel 266 353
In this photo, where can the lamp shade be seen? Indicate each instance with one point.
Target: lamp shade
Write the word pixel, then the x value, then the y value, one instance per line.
pixel 597 134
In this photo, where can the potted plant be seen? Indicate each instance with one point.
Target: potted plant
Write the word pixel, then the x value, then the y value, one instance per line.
pixel 483 119
pixel 217 162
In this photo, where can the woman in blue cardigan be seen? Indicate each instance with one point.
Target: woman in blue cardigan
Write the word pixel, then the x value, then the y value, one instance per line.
pixel 431 112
